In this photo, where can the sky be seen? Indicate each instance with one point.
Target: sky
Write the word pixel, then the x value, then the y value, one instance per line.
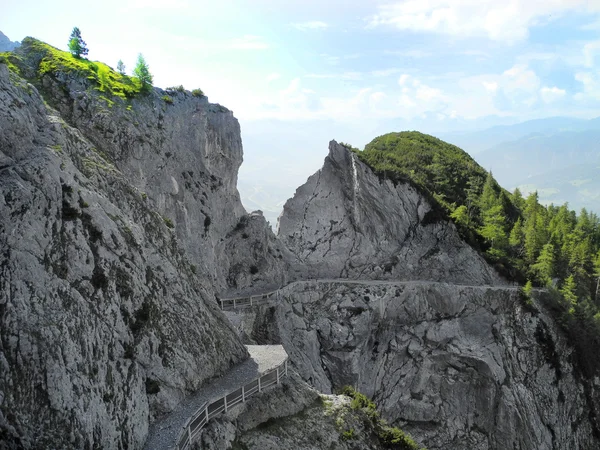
pixel 299 73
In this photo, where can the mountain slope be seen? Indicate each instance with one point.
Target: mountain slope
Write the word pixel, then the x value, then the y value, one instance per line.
pixel 95 287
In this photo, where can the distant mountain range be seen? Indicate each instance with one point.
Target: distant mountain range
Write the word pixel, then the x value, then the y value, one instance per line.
pixel 6 45
pixel 478 141
pixel 559 157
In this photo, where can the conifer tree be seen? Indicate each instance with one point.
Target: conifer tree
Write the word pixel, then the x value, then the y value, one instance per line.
pixel 544 267
pixel 77 45
pixel 517 237
pixel 142 72
pixel 568 292
pixel 121 67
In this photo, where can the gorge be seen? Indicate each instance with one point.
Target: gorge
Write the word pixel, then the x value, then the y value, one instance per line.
pixel 121 228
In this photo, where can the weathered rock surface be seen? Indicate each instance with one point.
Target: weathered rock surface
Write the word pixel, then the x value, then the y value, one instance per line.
pixel 346 222
pixel 184 157
pixel 104 320
pixel 293 416
pixel 6 45
pixel 455 366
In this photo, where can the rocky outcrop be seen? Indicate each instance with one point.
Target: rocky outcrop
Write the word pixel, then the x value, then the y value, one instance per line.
pixel 455 366
pixel 105 321
pixel 294 417
pixel 6 45
pixel 347 222
pixel 183 154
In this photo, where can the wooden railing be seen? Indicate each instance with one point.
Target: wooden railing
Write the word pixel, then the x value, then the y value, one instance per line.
pixel 207 411
pixel 227 304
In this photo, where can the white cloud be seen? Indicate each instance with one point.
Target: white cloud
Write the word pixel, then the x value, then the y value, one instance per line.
pixel 491 86
pixel 507 21
pixel 591 87
pixel 311 25
pixel 385 72
pixel 413 53
pixel 248 42
pixel 403 79
pixel 273 76
pixel 342 76
pixel 591 51
pixel 552 94
pixel 520 78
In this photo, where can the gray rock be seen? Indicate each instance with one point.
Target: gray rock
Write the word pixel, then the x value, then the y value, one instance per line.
pixel 455 366
pixel 95 288
pixel 346 222
pixel 6 45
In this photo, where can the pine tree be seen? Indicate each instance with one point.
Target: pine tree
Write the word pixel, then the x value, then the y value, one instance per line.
pixel 517 237
pixel 494 223
pixel 121 67
pixel 142 72
pixel 77 45
pixel 544 267
pixel 568 292
pixel 488 198
pixel 461 216
pixel 597 275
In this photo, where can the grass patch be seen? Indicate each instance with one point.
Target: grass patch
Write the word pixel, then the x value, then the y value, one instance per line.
pixel 104 78
pixel 390 437
pixel 198 93
pixel 167 99
pixel 12 61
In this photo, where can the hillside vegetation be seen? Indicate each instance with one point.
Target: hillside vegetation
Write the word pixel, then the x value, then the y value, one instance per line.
pixel 48 60
pixel 551 246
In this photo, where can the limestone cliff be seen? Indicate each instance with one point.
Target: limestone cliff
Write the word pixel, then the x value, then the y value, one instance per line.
pixel 457 367
pixel 182 152
pixel 107 319
pixel 347 222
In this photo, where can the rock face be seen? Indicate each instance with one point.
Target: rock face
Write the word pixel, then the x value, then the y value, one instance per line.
pixel 291 417
pixel 455 366
pixel 6 45
pixel 106 320
pixel 346 222
pixel 184 156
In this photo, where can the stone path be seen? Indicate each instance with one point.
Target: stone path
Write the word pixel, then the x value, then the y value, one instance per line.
pixel 164 433
pixel 227 305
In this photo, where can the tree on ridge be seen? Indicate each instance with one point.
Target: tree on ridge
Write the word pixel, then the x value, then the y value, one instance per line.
pixel 142 72
pixel 77 45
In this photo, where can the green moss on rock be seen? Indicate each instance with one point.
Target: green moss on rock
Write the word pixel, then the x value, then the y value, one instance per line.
pixel 52 61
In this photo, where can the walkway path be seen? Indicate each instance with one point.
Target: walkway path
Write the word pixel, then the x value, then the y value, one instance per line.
pixel 228 304
pixel 164 434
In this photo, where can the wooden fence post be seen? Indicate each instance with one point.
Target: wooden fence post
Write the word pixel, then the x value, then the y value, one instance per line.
pixel 225 402
pixel 243 395
pixel 277 374
pixel 259 390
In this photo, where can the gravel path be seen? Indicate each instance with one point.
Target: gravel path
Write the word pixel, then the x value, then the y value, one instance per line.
pixel 164 433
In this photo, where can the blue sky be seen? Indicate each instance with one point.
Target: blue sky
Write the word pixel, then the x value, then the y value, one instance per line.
pixel 298 73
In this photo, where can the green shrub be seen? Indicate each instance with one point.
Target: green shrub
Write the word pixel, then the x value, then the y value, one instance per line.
pixel 390 437
pixel 169 222
pixel 198 93
pixel 167 99
pixel 348 435
pixel 179 88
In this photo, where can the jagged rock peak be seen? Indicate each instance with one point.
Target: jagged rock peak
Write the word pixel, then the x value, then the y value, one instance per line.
pixel 345 221
pixel 6 45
